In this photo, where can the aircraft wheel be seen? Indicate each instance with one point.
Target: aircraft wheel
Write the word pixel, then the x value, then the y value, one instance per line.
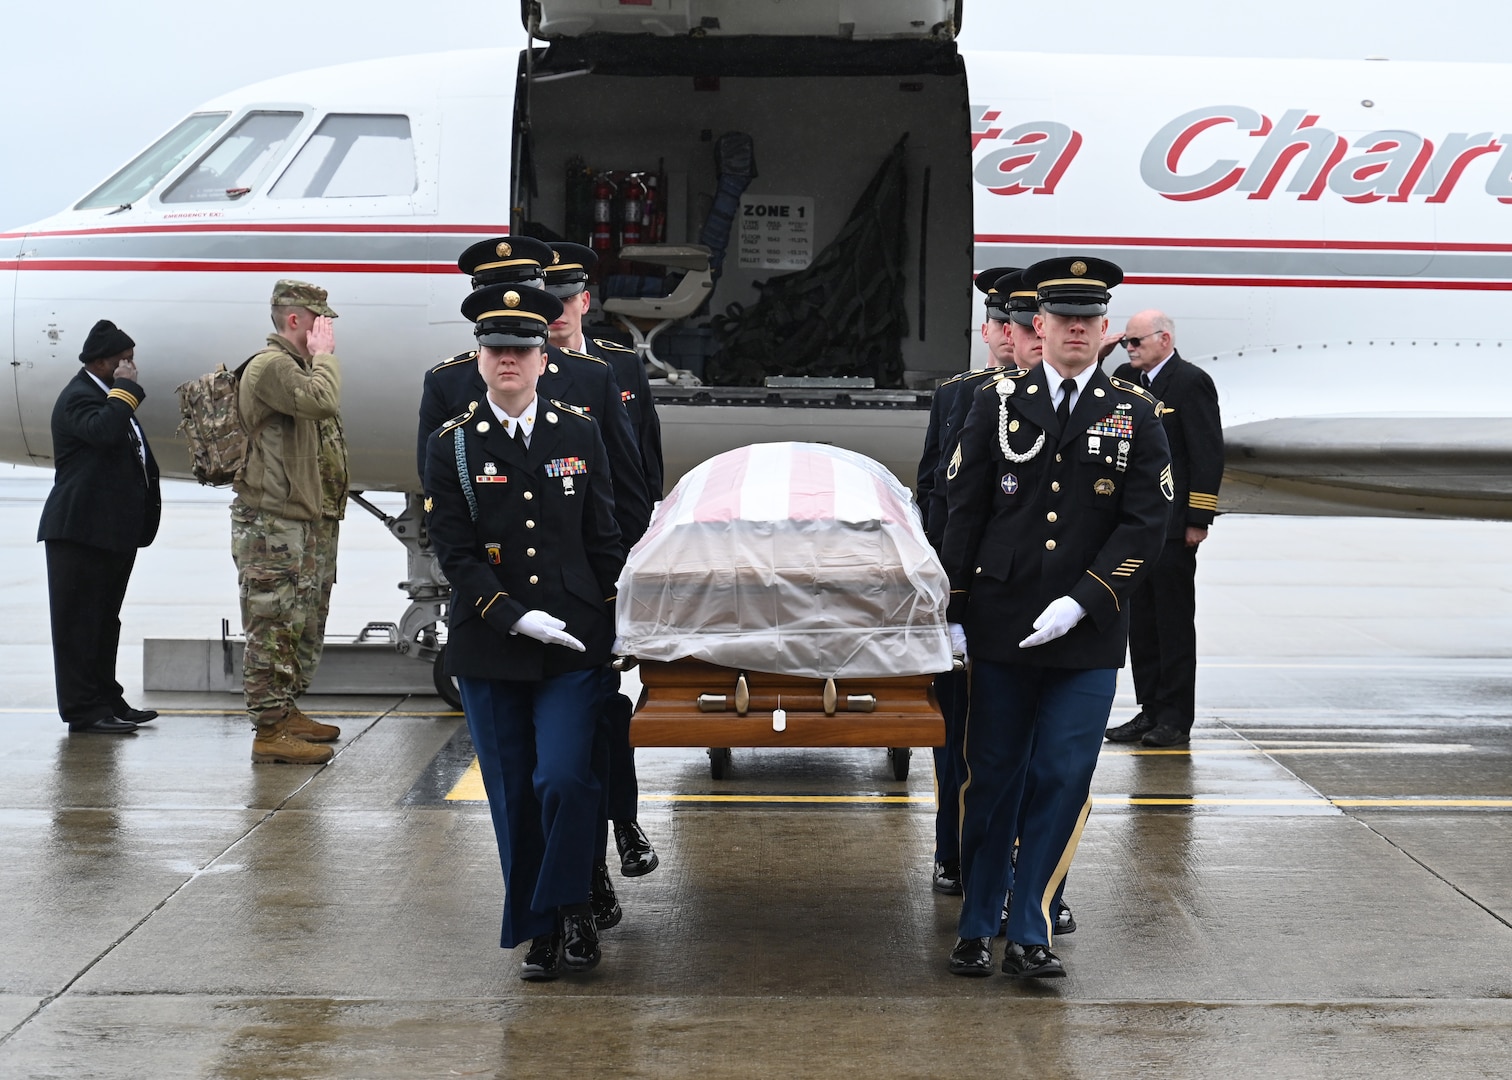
pixel 446 686
pixel 899 756
pixel 719 762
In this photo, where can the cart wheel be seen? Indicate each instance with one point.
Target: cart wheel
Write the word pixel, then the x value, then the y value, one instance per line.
pixel 719 762
pixel 899 756
pixel 446 686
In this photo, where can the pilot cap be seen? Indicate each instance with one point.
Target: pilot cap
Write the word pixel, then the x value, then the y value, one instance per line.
pixel 1073 285
pixel 509 314
pixel 105 339
pixel 568 271
pixel 986 283
pixel 1017 297
pixel 508 259
pixel 302 294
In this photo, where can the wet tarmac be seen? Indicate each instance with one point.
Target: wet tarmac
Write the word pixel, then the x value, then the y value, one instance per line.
pixel 1320 886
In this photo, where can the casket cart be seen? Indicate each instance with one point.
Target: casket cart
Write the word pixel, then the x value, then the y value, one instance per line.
pixel 785 595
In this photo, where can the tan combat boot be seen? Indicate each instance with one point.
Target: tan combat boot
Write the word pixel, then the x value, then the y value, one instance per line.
pixel 302 727
pixel 273 744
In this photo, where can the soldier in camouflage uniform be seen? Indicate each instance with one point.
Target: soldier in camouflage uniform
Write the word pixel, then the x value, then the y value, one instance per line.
pixel 286 392
pixel 326 533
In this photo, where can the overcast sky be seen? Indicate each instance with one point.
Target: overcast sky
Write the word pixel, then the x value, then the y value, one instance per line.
pixel 86 84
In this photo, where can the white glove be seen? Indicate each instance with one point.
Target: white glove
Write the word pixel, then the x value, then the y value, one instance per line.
pixel 957 639
pixel 1055 621
pixel 545 627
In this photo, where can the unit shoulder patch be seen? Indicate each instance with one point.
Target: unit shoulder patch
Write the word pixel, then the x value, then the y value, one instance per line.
pixel 606 343
pixel 458 420
pixel 573 409
pixel 461 358
pixel 1132 388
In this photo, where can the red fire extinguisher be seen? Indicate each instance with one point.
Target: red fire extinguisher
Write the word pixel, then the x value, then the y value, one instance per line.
pixel 602 239
pixel 635 199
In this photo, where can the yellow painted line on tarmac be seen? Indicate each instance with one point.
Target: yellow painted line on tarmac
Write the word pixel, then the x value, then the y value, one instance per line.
pixel 1401 748
pixel 469 786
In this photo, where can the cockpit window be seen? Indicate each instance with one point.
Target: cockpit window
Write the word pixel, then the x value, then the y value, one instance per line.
pixel 238 161
pixel 352 156
pixel 154 163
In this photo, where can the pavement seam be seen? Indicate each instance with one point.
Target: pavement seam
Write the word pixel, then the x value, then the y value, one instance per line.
pixel 181 886
pixel 1361 821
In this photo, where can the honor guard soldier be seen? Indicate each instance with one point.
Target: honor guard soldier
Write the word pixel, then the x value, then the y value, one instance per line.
pixel 1059 492
pixel 522 517
pixel 587 383
pixel 1162 628
pixel 929 493
pixel 567 279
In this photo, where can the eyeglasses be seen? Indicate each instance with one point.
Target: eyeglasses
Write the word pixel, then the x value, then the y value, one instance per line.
pixel 1133 342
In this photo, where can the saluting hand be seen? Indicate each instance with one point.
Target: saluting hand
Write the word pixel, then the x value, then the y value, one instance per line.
pixel 322 339
pixel 126 369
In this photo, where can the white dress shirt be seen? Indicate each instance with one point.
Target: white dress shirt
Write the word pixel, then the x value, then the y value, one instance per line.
pixel 525 420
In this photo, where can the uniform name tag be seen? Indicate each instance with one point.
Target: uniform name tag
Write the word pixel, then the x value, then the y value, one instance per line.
pixel 566 466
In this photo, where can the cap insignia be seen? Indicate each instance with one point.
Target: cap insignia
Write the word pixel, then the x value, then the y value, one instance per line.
pixel 503 250
pixel 556 257
pixel 1078 268
pixel 511 299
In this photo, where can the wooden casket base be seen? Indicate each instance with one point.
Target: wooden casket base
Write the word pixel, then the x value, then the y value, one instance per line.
pixel 692 703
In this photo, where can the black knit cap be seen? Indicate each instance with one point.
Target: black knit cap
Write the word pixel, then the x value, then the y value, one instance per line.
pixel 106 339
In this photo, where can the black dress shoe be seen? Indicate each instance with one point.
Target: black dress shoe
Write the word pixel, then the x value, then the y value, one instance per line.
pixel 947 877
pixel 544 960
pixel 1130 732
pixel 637 857
pixel 1065 922
pixel 606 909
pixel 971 956
pixel 135 716
pixel 1032 962
pixel 107 725
pixel 1165 735
pixel 580 943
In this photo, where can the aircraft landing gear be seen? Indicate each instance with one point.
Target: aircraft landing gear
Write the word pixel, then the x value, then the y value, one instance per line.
pixel 420 634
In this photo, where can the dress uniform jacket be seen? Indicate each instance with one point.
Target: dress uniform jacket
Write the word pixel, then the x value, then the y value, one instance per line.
pixel 1083 515
pixel 519 530
pixel 635 391
pixel 454 385
pixel 103 495
pixel 945 418
pixel 1193 427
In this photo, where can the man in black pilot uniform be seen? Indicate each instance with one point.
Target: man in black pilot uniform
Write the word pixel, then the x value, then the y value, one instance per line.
pixel 1162 631
pixel 567 279
pixel 1059 492
pixel 522 517
pixel 105 503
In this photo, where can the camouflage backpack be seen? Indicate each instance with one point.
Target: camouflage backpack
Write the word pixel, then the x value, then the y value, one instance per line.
pixel 212 427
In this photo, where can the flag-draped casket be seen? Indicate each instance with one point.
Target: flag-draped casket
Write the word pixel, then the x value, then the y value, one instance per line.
pixel 791 568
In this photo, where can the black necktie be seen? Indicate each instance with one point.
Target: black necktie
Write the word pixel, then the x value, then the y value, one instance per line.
pixel 519 433
pixel 1144 379
pixel 136 445
pixel 1063 412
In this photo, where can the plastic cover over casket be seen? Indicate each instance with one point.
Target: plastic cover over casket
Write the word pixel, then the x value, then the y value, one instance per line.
pixel 793 558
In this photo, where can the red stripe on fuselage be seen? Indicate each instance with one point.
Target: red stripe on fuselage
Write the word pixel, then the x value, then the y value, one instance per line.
pixel 1232 242
pixel 227 266
pixel 265 227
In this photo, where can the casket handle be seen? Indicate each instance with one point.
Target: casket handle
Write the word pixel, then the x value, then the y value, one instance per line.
pixel 860 702
pixel 742 695
pixel 711 703
pixel 831 697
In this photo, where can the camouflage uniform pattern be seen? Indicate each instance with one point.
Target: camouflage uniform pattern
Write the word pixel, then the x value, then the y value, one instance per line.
pixel 277 581
pixel 325 533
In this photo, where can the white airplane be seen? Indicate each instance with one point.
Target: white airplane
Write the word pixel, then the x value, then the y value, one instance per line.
pixel 1331 238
